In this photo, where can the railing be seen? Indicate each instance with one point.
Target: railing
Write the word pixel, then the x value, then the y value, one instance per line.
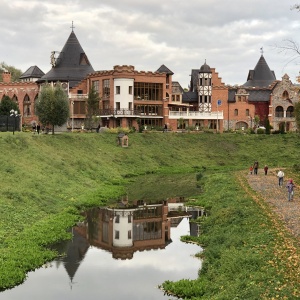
pixel 78 96
pixel 195 115
pixel 119 112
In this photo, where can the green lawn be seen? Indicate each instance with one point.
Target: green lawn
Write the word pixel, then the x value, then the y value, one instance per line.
pixel 46 180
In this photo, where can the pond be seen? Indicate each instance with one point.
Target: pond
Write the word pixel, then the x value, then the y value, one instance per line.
pixel 121 252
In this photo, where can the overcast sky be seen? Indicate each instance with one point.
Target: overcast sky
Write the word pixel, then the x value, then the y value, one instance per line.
pixel 181 34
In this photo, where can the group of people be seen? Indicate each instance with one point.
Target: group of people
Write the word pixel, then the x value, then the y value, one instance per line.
pixel 290 184
pixel 254 168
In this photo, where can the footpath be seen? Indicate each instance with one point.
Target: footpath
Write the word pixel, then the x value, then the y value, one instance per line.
pixel 277 197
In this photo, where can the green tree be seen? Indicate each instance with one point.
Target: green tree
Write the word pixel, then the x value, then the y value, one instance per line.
pixel 268 126
pixel 92 107
pixel 52 106
pixel 6 105
pixel 15 73
pixel 297 115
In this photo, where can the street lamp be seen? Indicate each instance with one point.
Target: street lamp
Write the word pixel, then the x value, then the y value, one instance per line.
pixel 14 114
pixel 219 103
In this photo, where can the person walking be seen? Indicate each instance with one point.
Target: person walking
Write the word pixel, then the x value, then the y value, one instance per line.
pixel 38 128
pixel 266 169
pixel 280 176
pixel 290 188
pixel 255 167
pixel 251 170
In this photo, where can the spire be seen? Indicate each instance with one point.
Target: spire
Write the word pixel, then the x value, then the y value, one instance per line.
pixel 72 64
pixel 261 76
pixel 72 27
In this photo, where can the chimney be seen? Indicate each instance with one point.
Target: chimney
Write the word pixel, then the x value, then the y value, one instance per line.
pixel 6 76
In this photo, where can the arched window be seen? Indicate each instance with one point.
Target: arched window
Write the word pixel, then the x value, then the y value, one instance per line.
pixel 35 100
pixel 290 112
pixel 241 125
pixel 26 106
pixel 285 95
pixel 279 112
pixel 15 99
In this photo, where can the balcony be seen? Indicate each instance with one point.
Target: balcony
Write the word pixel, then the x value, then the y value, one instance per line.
pixel 196 115
pixel 119 113
pixel 78 96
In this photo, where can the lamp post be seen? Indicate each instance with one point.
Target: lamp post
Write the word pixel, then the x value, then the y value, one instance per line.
pixel 14 114
pixel 219 102
pixel 72 115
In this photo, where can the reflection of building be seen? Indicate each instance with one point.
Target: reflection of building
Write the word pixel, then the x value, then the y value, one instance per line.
pixel 125 231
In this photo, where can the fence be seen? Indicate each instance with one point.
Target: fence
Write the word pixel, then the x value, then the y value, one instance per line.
pixel 10 123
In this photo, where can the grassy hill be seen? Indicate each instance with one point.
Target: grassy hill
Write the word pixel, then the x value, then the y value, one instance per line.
pixel 46 180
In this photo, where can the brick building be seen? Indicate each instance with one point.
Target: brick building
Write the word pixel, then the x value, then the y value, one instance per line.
pixel 150 99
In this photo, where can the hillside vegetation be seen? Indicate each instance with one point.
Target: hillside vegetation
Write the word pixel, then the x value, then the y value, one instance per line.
pixel 46 180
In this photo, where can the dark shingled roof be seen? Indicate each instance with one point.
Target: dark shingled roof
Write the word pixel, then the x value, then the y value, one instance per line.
pixel 189 97
pixel 231 95
pixel 32 72
pixel 164 69
pixel 72 64
pixel 259 95
pixel 261 76
pixel 205 68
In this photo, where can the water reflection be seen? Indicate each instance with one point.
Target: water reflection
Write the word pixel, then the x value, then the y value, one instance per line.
pixel 107 259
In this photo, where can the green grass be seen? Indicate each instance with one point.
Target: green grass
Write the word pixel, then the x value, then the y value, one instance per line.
pixel 46 180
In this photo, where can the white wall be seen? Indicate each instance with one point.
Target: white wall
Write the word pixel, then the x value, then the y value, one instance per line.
pixel 124 97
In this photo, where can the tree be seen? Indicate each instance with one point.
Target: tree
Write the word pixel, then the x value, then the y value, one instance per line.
pixel 6 105
pixel 92 107
pixel 52 106
pixel 297 115
pixel 268 126
pixel 15 73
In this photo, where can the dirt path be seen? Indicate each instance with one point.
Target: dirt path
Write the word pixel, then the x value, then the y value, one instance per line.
pixel 277 197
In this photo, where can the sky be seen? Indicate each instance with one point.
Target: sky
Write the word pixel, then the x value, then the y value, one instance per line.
pixel 229 35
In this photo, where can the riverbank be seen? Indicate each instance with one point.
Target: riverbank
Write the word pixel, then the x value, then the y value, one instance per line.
pixel 45 182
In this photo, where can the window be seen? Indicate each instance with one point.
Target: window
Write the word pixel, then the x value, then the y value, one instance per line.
pixel 236 112
pixel 79 107
pixel 130 90
pixel 279 112
pixel 95 85
pixel 285 95
pixel 129 234
pixel 129 218
pixel 290 112
pixel 106 88
pixel 117 219
pixel 118 107
pixel 118 90
pixel 247 112
pixel 117 234
pixel 148 91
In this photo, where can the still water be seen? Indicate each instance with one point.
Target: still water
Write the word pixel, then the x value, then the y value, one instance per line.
pixel 124 252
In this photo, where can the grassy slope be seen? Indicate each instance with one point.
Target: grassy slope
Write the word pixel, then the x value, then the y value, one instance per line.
pixel 45 179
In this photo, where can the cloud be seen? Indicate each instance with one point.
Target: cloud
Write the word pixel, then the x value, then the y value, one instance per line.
pixel 146 34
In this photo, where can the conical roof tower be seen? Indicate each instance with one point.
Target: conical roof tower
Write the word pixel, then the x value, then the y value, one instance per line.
pixel 261 76
pixel 71 65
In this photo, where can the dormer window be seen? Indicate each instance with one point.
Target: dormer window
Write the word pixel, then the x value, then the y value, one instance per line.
pixel 285 95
